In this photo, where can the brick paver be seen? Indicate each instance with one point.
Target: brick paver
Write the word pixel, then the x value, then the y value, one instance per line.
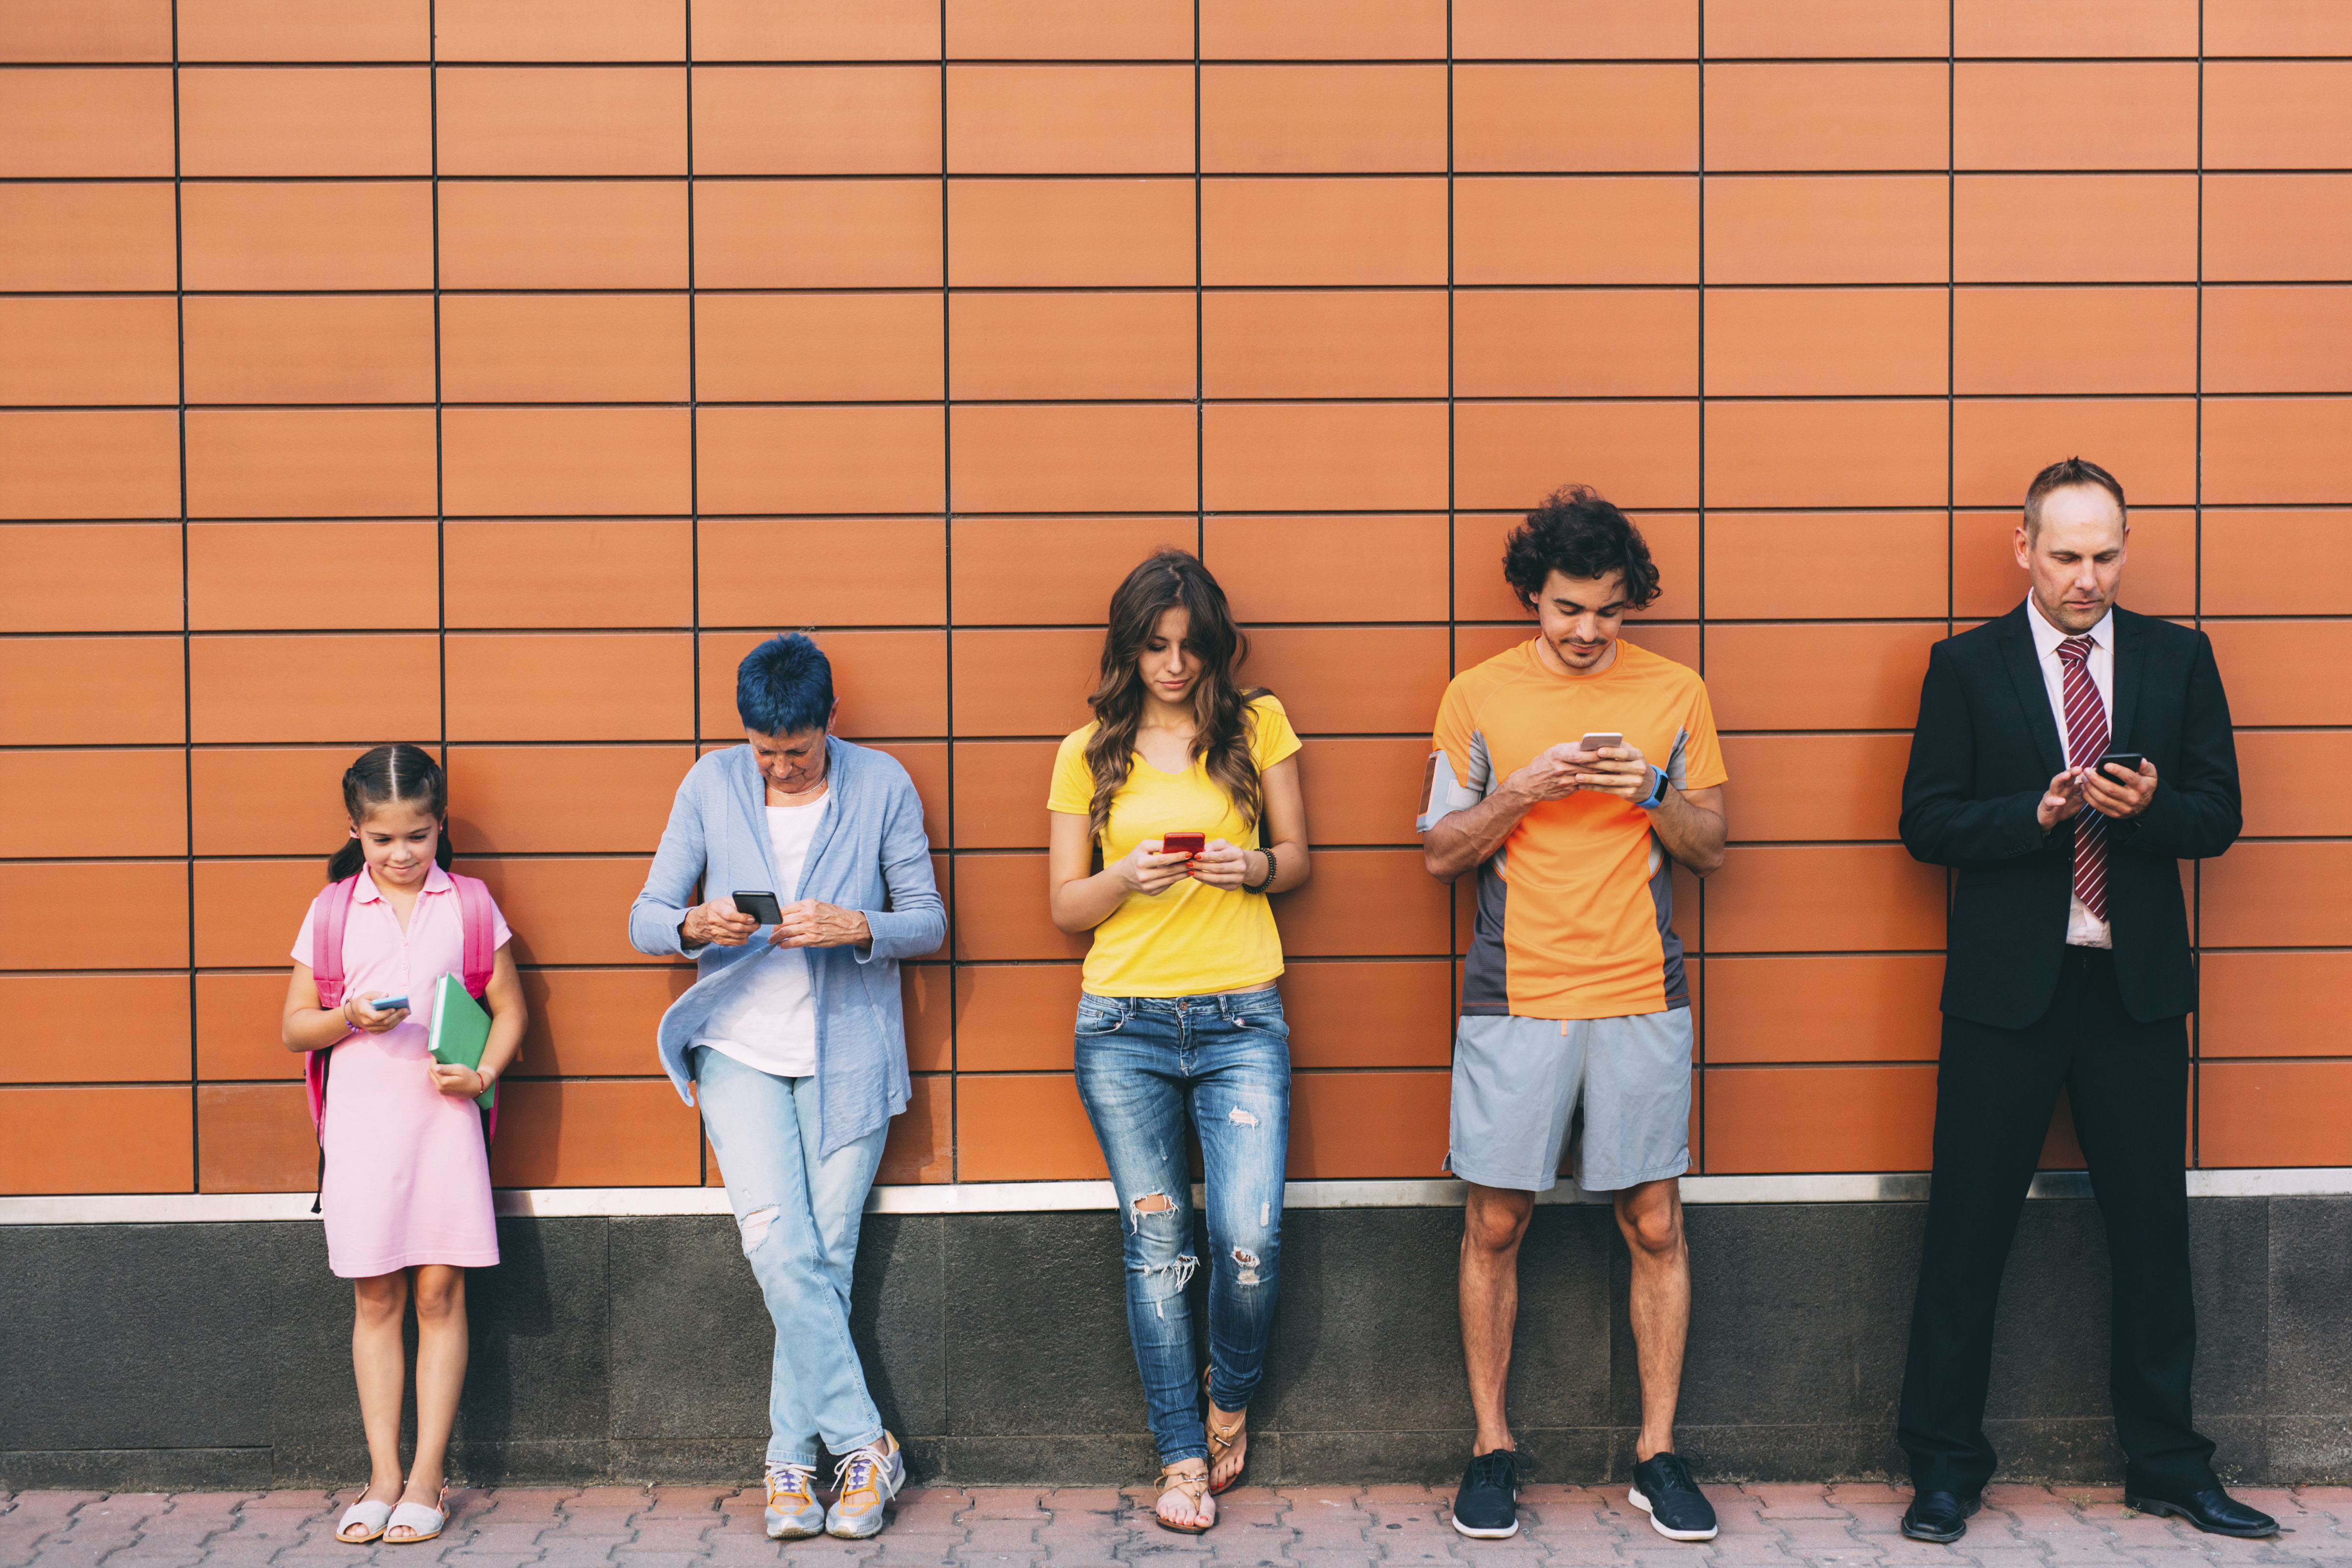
pixel 1848 1525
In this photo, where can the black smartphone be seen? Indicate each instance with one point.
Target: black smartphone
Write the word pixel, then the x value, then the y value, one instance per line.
pixel 2129 760
pixel 760 907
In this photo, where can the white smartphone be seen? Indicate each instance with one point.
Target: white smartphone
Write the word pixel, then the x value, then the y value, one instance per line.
pixel 1594 742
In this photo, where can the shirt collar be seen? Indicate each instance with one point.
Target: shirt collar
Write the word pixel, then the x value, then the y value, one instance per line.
pixel 2046 637
pixel 437 880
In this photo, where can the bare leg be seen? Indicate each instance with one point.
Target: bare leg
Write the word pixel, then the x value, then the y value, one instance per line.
pixel 1650 1215
pixel 1235 1424
pixel 1494 1220
pixel 381 1362
pixel 441 1347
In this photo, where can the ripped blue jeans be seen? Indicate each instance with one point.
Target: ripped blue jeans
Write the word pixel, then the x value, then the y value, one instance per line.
pixel 1144 1062
pixel 798 1213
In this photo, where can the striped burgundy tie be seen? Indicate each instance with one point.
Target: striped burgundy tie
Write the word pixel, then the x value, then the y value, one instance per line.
pixel 2086 741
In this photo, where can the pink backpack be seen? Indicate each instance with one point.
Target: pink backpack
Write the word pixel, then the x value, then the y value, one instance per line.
pixel 332 910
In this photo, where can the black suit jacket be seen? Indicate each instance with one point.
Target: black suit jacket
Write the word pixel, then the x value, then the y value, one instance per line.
pixel 1985 749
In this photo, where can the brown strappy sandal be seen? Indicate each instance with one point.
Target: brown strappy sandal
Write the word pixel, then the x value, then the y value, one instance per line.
pixel 1195 1489
pixel 1220 1439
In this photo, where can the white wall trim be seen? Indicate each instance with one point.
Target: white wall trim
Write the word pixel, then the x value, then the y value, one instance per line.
pixel 1033 1197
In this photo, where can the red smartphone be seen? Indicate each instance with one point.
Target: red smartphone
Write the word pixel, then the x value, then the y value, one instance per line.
pixel 1182 843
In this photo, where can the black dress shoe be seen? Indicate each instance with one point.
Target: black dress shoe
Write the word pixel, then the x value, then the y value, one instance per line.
pixel 2212 1510
pixel 1938 1516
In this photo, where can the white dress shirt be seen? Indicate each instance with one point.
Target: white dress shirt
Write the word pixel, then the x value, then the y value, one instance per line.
pixel 2083 929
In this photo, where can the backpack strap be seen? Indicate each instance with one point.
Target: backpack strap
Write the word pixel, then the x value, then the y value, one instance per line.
pixel 330 911
pixel 482 950
pixel 481 957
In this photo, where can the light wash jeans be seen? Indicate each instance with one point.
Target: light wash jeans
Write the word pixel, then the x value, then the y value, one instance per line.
pixel 799 1215
pixel 1143 1063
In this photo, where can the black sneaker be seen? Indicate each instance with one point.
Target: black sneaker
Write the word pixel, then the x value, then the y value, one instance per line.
pixel 1663 1489
pixel 1486 1508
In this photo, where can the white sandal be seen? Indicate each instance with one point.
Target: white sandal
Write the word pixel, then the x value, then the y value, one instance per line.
pixel 415 1516
pixel 375 1515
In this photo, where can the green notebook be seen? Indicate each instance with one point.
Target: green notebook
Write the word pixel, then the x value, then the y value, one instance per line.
pixel 460 1030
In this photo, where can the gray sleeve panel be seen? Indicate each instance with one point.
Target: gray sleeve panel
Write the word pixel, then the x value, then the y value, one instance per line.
pixel 1678 761
pixel 1662 894
pixel 1486 968
pixel 1440 796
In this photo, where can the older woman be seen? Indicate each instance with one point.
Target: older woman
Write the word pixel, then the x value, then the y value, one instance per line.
pixel 794 1040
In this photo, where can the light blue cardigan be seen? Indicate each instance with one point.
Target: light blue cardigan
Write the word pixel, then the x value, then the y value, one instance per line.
pixel 869 855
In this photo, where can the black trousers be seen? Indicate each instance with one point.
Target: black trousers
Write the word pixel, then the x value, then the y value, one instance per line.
pixel 1995 1092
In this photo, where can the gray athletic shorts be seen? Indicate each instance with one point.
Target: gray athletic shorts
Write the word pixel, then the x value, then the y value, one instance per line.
pixel 1517 1082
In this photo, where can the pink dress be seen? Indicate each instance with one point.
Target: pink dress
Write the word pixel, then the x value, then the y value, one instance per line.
pixel 408 1177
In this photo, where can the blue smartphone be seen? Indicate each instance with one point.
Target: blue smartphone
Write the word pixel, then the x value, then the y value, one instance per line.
pixel 387 1004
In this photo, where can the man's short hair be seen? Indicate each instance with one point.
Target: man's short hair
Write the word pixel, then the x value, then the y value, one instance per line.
pixel 1578 534
pixel 784 687
pixel 2058 476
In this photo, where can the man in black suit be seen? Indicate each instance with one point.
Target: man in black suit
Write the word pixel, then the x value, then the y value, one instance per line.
pixel 2067 965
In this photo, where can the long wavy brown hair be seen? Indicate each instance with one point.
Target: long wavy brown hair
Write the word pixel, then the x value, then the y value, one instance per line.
pixel 1170 580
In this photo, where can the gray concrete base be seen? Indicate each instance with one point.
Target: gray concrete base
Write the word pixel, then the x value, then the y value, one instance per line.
pixel 635 1349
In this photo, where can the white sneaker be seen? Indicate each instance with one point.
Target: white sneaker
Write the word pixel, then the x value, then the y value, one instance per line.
pixel 794 1512
pixel 868 1478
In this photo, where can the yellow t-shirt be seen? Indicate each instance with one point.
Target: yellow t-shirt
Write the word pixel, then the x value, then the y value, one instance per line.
pixel 1192 939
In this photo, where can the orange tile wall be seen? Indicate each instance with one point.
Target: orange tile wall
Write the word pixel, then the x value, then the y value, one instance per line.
pixel 492 373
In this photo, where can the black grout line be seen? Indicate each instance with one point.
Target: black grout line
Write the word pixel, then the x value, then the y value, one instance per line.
pixel 947 546
pixel 1215 62
pixel 2197 578
pixel 1173 176
pixel 1696 961
pixel 1454 944
pixel 2181 284
pixel 440 443
pixel 187 673
pixel 694 478
pixel 1200 313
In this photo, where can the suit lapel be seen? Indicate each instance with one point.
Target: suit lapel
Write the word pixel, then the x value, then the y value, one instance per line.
pixel 2131 663
pixel 2033 692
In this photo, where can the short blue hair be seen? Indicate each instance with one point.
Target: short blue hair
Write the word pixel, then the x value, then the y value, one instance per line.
pixel 784 687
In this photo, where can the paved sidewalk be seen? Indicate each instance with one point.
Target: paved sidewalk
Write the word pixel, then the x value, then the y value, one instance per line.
pixel 1305 1527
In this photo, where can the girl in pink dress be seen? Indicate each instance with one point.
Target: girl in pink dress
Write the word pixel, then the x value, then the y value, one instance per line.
pixel 406 1188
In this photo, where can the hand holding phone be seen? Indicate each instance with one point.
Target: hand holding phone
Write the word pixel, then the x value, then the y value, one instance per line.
pixel 720 922
pixel 374 1015
pixel 2116 797
pixel 761 905
pixel 1151 871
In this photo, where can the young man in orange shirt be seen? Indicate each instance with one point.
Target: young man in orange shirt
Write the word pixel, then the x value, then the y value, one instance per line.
pixel 1574 999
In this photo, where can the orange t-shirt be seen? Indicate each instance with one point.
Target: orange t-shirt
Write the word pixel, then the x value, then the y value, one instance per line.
pixel 1576 908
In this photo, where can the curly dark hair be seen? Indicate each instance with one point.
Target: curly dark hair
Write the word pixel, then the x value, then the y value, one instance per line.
pixel 1578 533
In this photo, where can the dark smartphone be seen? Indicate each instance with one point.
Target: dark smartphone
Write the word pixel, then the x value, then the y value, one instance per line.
pixel 1182 843
pixel 2129 761
pixel 760 907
